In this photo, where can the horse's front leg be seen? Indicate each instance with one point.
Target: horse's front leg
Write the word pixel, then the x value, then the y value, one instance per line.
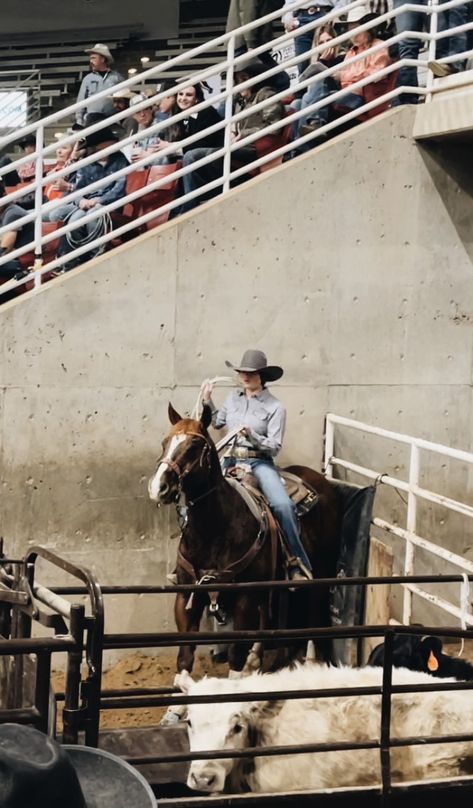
pixel 187 620
pixel 246 616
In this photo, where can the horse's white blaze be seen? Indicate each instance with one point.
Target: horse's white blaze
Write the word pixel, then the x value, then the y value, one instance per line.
pixel 155 482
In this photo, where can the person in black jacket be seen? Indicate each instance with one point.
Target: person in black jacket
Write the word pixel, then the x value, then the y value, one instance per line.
pixel 186 99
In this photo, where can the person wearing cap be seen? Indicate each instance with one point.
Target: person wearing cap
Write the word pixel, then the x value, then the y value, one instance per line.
pixel 38 772
pixel 105 195
pixel 261 420
pixel 348 75
pixel 296 18
pixel 101 77
pixel 149 144
pixel 27 171
pixel 121 101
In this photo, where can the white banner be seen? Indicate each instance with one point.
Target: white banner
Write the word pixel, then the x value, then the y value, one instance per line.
pixel 13 109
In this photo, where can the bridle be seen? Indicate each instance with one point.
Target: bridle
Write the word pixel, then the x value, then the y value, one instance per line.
pixel 182 474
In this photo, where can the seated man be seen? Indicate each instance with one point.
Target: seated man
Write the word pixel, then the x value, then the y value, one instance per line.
pixel 18 235
pixel 348 75
pixel 76 210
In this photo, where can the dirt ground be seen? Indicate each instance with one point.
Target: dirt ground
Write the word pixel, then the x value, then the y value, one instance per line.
pixel 139 670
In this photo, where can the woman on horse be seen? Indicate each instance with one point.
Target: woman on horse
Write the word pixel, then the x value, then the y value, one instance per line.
pixel 261 419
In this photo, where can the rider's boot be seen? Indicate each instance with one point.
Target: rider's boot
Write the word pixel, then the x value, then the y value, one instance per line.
pixel 297 570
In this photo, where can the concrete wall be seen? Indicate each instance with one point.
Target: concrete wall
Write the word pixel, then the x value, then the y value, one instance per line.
pixel 158 18
pixel 351 267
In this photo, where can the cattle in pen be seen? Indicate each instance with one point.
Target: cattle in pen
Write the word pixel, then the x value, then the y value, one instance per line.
pixel 323 720
pixel 423 654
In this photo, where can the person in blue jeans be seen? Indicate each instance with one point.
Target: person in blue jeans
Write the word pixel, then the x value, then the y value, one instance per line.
pixel 446 46
pixel 261 419
pixel 303 16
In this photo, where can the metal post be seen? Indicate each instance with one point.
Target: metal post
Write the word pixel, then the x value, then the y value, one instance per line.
pixel 411 528
pixel 432 47
pixel 229 83
pixel 73 676
pixel 329 441
pixel 38 259
pixel 42 689
pixel 385 750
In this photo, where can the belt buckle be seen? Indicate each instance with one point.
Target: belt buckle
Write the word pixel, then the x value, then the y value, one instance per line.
pixel 241 452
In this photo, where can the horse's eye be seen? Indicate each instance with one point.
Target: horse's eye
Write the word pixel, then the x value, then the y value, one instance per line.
pixel 237 729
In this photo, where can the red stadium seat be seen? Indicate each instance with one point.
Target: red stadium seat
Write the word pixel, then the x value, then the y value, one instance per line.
pixel 161 196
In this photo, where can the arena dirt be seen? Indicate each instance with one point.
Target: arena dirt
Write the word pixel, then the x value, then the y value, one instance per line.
pixel 142 671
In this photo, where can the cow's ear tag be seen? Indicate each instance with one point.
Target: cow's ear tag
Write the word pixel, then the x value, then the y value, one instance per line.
pixel 432 662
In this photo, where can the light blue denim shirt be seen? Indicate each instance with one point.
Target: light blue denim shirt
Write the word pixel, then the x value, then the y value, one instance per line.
pixel 263 414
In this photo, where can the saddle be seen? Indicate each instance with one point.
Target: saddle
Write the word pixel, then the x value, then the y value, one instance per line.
pixel 302 494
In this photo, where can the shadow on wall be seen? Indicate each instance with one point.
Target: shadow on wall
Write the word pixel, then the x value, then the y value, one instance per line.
pixel 448 164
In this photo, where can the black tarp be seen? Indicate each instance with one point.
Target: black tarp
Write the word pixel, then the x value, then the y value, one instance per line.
pixel 347 603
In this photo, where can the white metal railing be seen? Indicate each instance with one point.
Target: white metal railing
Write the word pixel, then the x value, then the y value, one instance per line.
pixel 228 66
pixel 415 492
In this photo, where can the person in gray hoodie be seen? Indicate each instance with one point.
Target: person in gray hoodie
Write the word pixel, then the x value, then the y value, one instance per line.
pixel 101 77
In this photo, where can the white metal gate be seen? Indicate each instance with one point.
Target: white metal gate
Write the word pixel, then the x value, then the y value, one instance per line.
pixel 415 492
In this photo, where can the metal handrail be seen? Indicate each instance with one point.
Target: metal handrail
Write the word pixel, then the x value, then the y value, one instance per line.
pixel 225 152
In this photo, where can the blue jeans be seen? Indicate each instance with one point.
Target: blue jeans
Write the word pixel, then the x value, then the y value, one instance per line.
pixel 303 43
pixel 196 179
pixel 450 45
pixel 320 90
pixel 409 48
pixel 281 505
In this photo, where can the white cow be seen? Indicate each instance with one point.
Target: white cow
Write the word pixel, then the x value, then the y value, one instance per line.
pixel 324 720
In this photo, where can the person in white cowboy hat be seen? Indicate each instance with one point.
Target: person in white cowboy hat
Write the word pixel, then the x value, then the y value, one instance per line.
pixel 38 772
pixel 348 75
pixel 261 418
pixel 101 77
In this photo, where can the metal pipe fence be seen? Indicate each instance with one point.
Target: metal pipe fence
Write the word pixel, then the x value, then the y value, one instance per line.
pixel 228 173
pixel 415 494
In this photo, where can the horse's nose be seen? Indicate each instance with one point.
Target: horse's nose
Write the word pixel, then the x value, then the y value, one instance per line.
pixel 163 489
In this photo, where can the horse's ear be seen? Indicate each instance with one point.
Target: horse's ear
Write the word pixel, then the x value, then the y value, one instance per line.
pixel 206 417
pixel 174 416
pixel 183 681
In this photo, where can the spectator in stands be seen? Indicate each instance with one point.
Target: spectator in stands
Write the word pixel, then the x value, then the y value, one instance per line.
pixel 27 171
pixel 121 100
pixel 303 16
pixel 186 99
pixel 163 109
pixel 57 188
pixel 9 178
pixel 348 75
pixel 106 194
pixel 249 98
pixel 148 144
pixel 319 62
pixel 18 235
pixel 242 12
pixel 101 77
pixel 450 45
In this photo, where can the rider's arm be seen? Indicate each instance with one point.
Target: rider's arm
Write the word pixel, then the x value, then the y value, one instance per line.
pixel 271 442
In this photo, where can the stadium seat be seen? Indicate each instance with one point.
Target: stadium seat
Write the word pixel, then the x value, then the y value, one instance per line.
pixel 161 196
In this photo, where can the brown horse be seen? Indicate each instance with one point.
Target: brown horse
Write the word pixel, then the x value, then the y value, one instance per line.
pixel 222 537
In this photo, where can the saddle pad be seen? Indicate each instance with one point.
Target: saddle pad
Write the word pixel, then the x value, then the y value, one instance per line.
pixel 246 496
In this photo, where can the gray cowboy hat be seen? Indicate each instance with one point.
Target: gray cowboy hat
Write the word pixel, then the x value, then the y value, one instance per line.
pixel 37 772
pixel 254 361
pixel 102 50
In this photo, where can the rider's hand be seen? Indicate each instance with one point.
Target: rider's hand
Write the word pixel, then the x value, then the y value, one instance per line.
pixel 207 390
pixel 245 431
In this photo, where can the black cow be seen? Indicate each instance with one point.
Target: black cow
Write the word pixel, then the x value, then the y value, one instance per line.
pixel 423 654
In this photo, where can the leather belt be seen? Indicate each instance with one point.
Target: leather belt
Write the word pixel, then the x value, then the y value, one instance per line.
pixel 244 454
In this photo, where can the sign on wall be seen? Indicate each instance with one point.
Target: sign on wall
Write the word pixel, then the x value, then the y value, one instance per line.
pixel 13 109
